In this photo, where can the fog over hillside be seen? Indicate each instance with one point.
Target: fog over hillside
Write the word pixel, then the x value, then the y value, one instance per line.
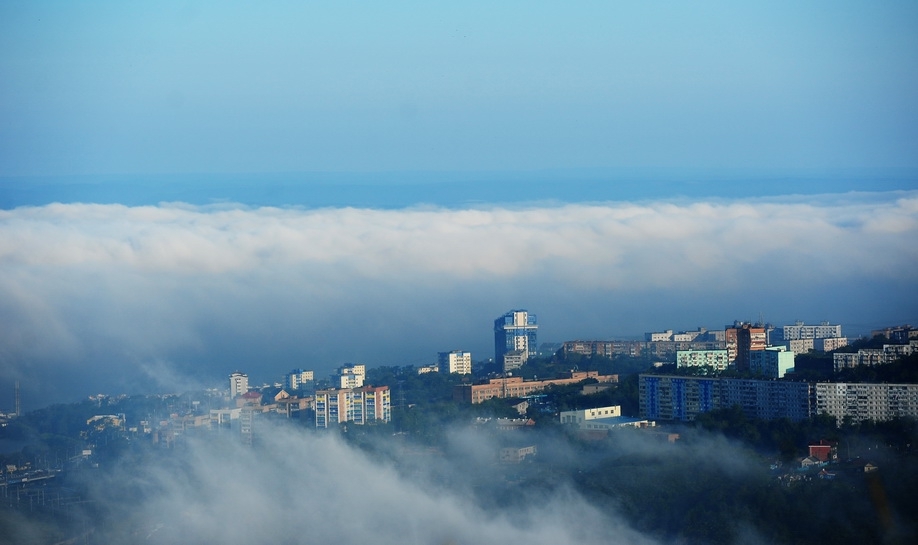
pixel 298 487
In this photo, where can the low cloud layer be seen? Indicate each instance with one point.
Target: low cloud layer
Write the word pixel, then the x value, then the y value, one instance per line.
pixel 108 297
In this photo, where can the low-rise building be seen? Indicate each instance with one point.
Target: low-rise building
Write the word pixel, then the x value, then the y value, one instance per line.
pixel 516 387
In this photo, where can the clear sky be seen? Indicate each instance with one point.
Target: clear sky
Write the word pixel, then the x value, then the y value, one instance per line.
pixel 227 87
pixel 191 188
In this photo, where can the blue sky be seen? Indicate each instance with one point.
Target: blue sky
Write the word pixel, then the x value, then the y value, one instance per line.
pixel 253 87
pixel 187 189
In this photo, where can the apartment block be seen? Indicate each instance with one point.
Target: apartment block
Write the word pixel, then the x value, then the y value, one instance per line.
pixel 357 405
pixel 669 397
pixel 716 359
pixel 866 401
pixel 457 362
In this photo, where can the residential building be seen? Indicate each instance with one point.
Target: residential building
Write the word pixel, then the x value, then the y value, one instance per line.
pixel 741 339
pixel 659 336
pixel 297 379
pixel 715 359
pixel 457 362
pixel 874 356
pixel 830 343
pixel 239 383
pixel 515 455
pixel 682 398
pixel 432 368
pixel 351 376
pixel 773 362
pixel 866 401
pixel 802 331
pixel 515 331
pixel 356 405
pixel 590 348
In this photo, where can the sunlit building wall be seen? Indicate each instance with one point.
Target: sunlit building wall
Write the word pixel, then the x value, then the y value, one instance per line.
pixel 457 361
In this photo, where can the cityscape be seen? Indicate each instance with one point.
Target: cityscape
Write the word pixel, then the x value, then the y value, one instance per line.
pixel 407 273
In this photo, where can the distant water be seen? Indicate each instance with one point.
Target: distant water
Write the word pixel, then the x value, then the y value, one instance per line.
pixel 452 190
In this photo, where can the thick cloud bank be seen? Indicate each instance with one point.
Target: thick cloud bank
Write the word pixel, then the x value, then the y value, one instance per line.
pixel 102 297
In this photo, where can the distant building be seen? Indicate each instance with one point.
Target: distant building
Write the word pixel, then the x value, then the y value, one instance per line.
pixel 874 356
pixel 799 330
pixel 239 384
pixel 660 336
pixel 576 417
pixel 457 362
pixel 432 368
pixel 605 349
pixel 830 344
pixel 357 405
pixel 716 359
pixel 516 387
pixel 682 398
pixel 297 379
pixel 773 362
pixel 741 339
pixel 866 401
pixel 515 331
pixel 351 376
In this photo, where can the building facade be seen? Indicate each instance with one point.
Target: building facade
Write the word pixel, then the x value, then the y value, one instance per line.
pixel 741 339
pixel 773 362
pixel 511 387
pixel 351 376
pixel 515 331
pixel 716 359
pixel 457 361
pixel 357 405
pixel 866 401
pixel 670 397
pixel 297 379
pixel 239 383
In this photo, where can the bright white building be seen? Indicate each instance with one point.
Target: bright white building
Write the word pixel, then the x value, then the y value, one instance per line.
pixel 239 384
pixel 802 331
pixel 457 361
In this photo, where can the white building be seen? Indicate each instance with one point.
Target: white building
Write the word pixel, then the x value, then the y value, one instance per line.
pixel 866 401
pixel 457 361
pixel 660 336
pixel 716 359
pixel 239 384
pixel 351 376
pixel 578 417
pixel 801 331
pixel 773 362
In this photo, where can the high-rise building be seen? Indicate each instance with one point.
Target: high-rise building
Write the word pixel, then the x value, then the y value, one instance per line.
pixel 457 361
pixel 297 379
pixel 239 383
pixel 741 339
pixel 515 331
pixel 351 376
pixel 357 405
